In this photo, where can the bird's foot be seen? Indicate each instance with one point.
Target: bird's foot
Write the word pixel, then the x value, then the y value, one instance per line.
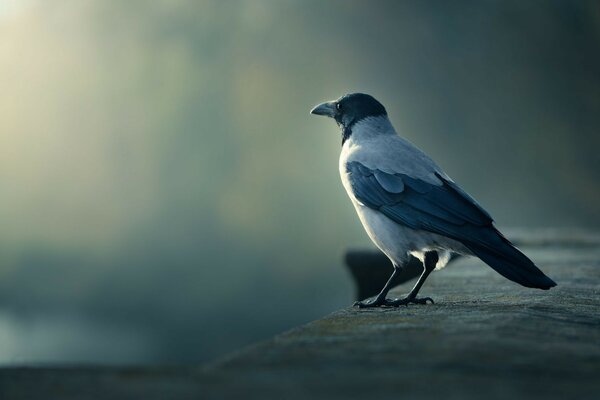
pixel 374 302
pixel 380 302
pixel 406 301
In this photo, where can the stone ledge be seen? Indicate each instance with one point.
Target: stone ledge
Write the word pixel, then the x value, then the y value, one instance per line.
pixel 484 338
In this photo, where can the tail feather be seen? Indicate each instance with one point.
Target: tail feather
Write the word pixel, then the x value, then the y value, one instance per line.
pixel 497 252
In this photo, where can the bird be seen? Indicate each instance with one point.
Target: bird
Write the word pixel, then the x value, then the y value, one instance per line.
pixel 409 206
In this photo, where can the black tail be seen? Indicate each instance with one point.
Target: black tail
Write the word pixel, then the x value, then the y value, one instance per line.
pixel 497 252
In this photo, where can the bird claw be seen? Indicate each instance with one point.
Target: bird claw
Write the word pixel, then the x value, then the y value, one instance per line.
pixel 407 300
pixel 377 302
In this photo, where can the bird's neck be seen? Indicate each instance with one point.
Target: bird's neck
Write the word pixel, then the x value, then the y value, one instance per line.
pixel 346 133
pixel 367 128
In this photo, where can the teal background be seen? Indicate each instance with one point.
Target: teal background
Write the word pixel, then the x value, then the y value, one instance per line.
pixel 166 196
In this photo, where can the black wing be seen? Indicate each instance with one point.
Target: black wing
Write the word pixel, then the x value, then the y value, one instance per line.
pixel 446 210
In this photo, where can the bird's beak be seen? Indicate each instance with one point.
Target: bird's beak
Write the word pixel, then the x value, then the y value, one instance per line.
pixel 328 109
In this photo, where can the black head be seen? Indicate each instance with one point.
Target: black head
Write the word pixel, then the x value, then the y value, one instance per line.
pixel 349 109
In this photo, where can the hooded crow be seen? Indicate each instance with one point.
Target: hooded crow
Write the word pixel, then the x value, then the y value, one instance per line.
pixel 409 206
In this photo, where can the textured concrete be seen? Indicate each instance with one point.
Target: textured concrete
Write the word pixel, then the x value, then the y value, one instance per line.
pixel 485 337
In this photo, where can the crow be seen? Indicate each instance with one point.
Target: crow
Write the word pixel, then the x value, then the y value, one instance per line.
pixel 409 206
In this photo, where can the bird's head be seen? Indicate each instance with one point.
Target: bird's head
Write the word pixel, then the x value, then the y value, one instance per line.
pixel 350 109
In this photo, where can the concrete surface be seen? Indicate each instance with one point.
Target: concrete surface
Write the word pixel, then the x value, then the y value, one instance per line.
pixel 485 337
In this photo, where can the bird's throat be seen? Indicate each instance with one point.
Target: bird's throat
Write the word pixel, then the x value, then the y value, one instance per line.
pixel 346 133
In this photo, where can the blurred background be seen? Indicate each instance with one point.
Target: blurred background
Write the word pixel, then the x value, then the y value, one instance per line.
pixel 166 196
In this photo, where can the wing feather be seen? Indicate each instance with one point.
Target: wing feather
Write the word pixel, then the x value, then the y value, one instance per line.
pixel 447 210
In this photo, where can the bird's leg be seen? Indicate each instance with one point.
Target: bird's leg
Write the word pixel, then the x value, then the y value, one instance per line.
pixel 431 259
pixel 379 300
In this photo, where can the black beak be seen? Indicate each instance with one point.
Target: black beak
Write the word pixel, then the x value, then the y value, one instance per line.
pixel 329 109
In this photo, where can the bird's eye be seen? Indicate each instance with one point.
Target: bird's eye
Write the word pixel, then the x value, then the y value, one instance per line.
pixel 338 106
